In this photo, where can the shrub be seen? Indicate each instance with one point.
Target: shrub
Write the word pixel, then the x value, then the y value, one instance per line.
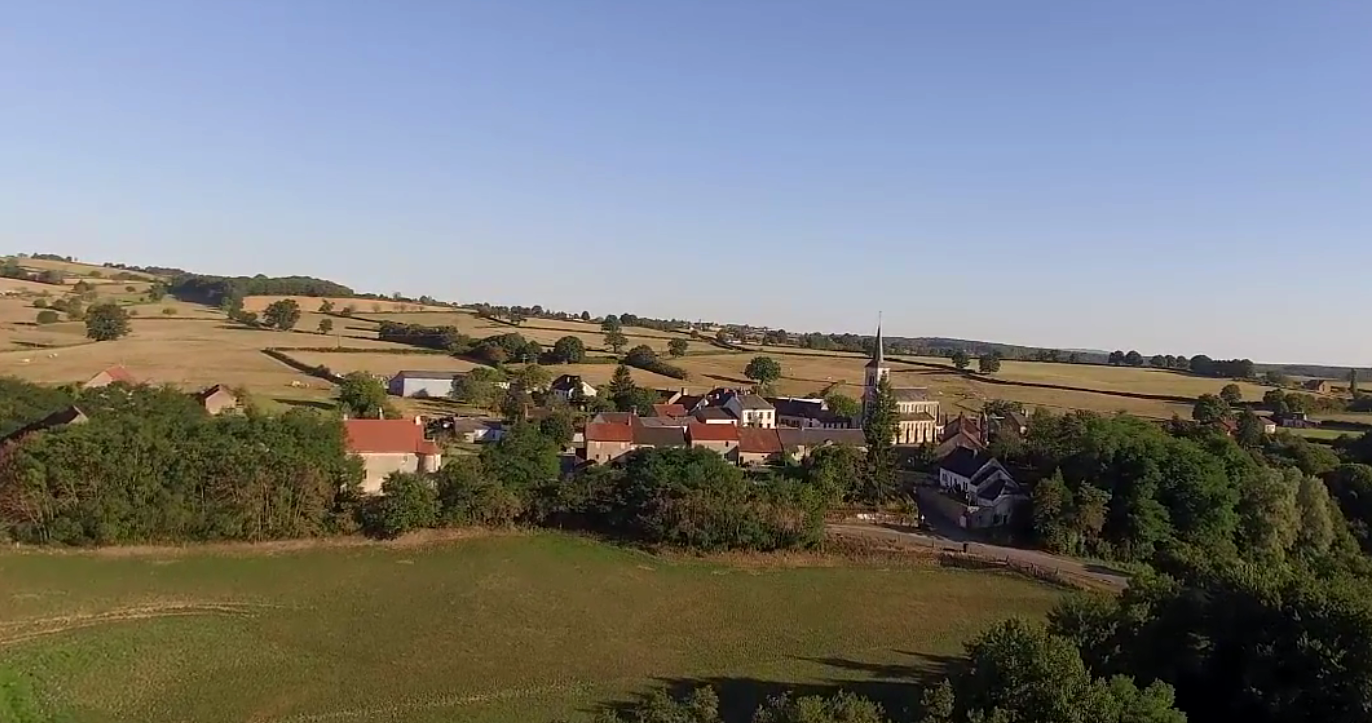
pixel 40 303
pixel 408 502
pixel 48 316
pixel 168 311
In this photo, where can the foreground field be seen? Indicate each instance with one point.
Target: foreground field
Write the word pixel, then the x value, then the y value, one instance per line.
pixel 516 628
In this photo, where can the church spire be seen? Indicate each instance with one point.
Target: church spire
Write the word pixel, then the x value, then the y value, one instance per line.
pixel 878 353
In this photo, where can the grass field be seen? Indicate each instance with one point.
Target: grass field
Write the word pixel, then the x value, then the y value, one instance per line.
pixel 511 628
pixel 383 364
pixel 312 303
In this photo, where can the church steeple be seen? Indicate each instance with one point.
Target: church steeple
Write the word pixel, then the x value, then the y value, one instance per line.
pixel 878 353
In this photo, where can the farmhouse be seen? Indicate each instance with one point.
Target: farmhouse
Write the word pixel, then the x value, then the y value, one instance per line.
pixel 1319 386
pixel 217 399
pixel 804 412
pixel 799 443
pixel 918 412
pixel 750 409
pixel 390 445
pixel 569 386
pixel 116 373
pixel 607 441
pixel 410 383
pixel 722 439
pixel 759 446
pixel 991 494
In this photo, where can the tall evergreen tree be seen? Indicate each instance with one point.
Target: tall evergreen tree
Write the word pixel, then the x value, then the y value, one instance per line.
pixel 880 426
pixel 623 390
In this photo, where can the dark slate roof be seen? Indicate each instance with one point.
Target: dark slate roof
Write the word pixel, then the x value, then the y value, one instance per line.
pixel 566 383
pixel 964 462
pixel 985 473
pixel 413 374
pixel 689 401
pixel 62 417
pixel 912 394
pixel 660 436
pixel 621 418
pixel 669 422
pixel 752 401
pixel 713 413
pixel 917 417
pixel 804 408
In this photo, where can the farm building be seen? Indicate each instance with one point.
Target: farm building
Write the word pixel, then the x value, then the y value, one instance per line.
pixel 568 386
pixel 422 383
pixel 116 373
pixel 391 445
pixel 217 399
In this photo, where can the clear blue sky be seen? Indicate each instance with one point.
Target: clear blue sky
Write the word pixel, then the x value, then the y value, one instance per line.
pixel 1176 176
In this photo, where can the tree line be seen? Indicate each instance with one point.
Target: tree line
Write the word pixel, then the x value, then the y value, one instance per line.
pixel 227 292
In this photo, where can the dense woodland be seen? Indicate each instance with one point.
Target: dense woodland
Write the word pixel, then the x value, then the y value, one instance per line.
pixel 228 291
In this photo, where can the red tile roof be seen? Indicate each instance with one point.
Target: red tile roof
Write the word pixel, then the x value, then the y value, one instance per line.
pixel 394 436
pixel 713 432
pixel 756 440
pixel 118 373
pixel 609 432
pixel 669 410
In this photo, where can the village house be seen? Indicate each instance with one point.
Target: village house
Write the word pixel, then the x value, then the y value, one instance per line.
pixel 800 442
pixel 607 441
pixel 715 415
pixel 751 410
pixel 986 493
pixel 757 446
pixel 60 418
pixel 411 383
pixel 918 412
pixel 112 375
pixel 658 437
pixel 217 399
pixel 961 431
pixel 390 445
pixel 803 412
pixel 1319 386
pixel 722 439
pixel 476 430
pixel 570 386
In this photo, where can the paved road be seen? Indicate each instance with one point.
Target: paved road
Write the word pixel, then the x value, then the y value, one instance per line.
pixel 944 534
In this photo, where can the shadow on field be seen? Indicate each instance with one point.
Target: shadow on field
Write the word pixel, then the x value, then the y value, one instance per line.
pixel 896 686
pixel 730 380
pixel 304 403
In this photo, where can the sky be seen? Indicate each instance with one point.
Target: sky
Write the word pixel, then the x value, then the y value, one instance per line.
pixel 1172 176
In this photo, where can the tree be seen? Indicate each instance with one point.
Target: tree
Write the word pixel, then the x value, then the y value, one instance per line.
pixel 1275 378
pixel 585 316
pixel 1116 358
pixel 559 427
pixel 282 314
pixel 325 325
pixel 408 502
pixel 107 322
pixel 1158 361
pixel 610 323
pixel 836 470
pixel 988 363
pixel 1269 519
pixel 326 307
pixel 1231 394
pixel 156 292
pixel 622 388
pixel 1351 485
pixel 362 395
pixel 1249 432
pixel 478 387
pixel 641 356
pixel 678 347
pixel 1210 409
pixel 616 340
pixel 1318 516
pixel 569 350
pixel 1052 509
pixel 960 359
pixel 515 403
pixel 48 316
pixel 842 404
pixel 40 303
pixel 348 310
pixel 75 311
pixel 764 370
pixel 1275 400
pixel 1133 359
pixel 533 377
pixel 880 427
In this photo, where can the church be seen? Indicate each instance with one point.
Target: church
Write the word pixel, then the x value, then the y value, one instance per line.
pixel 918 411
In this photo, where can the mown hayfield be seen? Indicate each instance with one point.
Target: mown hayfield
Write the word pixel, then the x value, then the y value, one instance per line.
pixel 807 374
pixel 597 374
pixel 543 331
pixel 361 306
pixel 381 363
pixel 186 352
pixel 1110 379
pixel 79 269
pixel 495 629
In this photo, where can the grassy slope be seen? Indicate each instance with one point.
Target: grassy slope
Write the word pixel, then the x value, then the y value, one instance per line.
pixel 493 629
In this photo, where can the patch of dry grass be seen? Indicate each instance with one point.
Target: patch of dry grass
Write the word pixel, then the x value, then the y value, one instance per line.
pixel 312 303
pixel 383 364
